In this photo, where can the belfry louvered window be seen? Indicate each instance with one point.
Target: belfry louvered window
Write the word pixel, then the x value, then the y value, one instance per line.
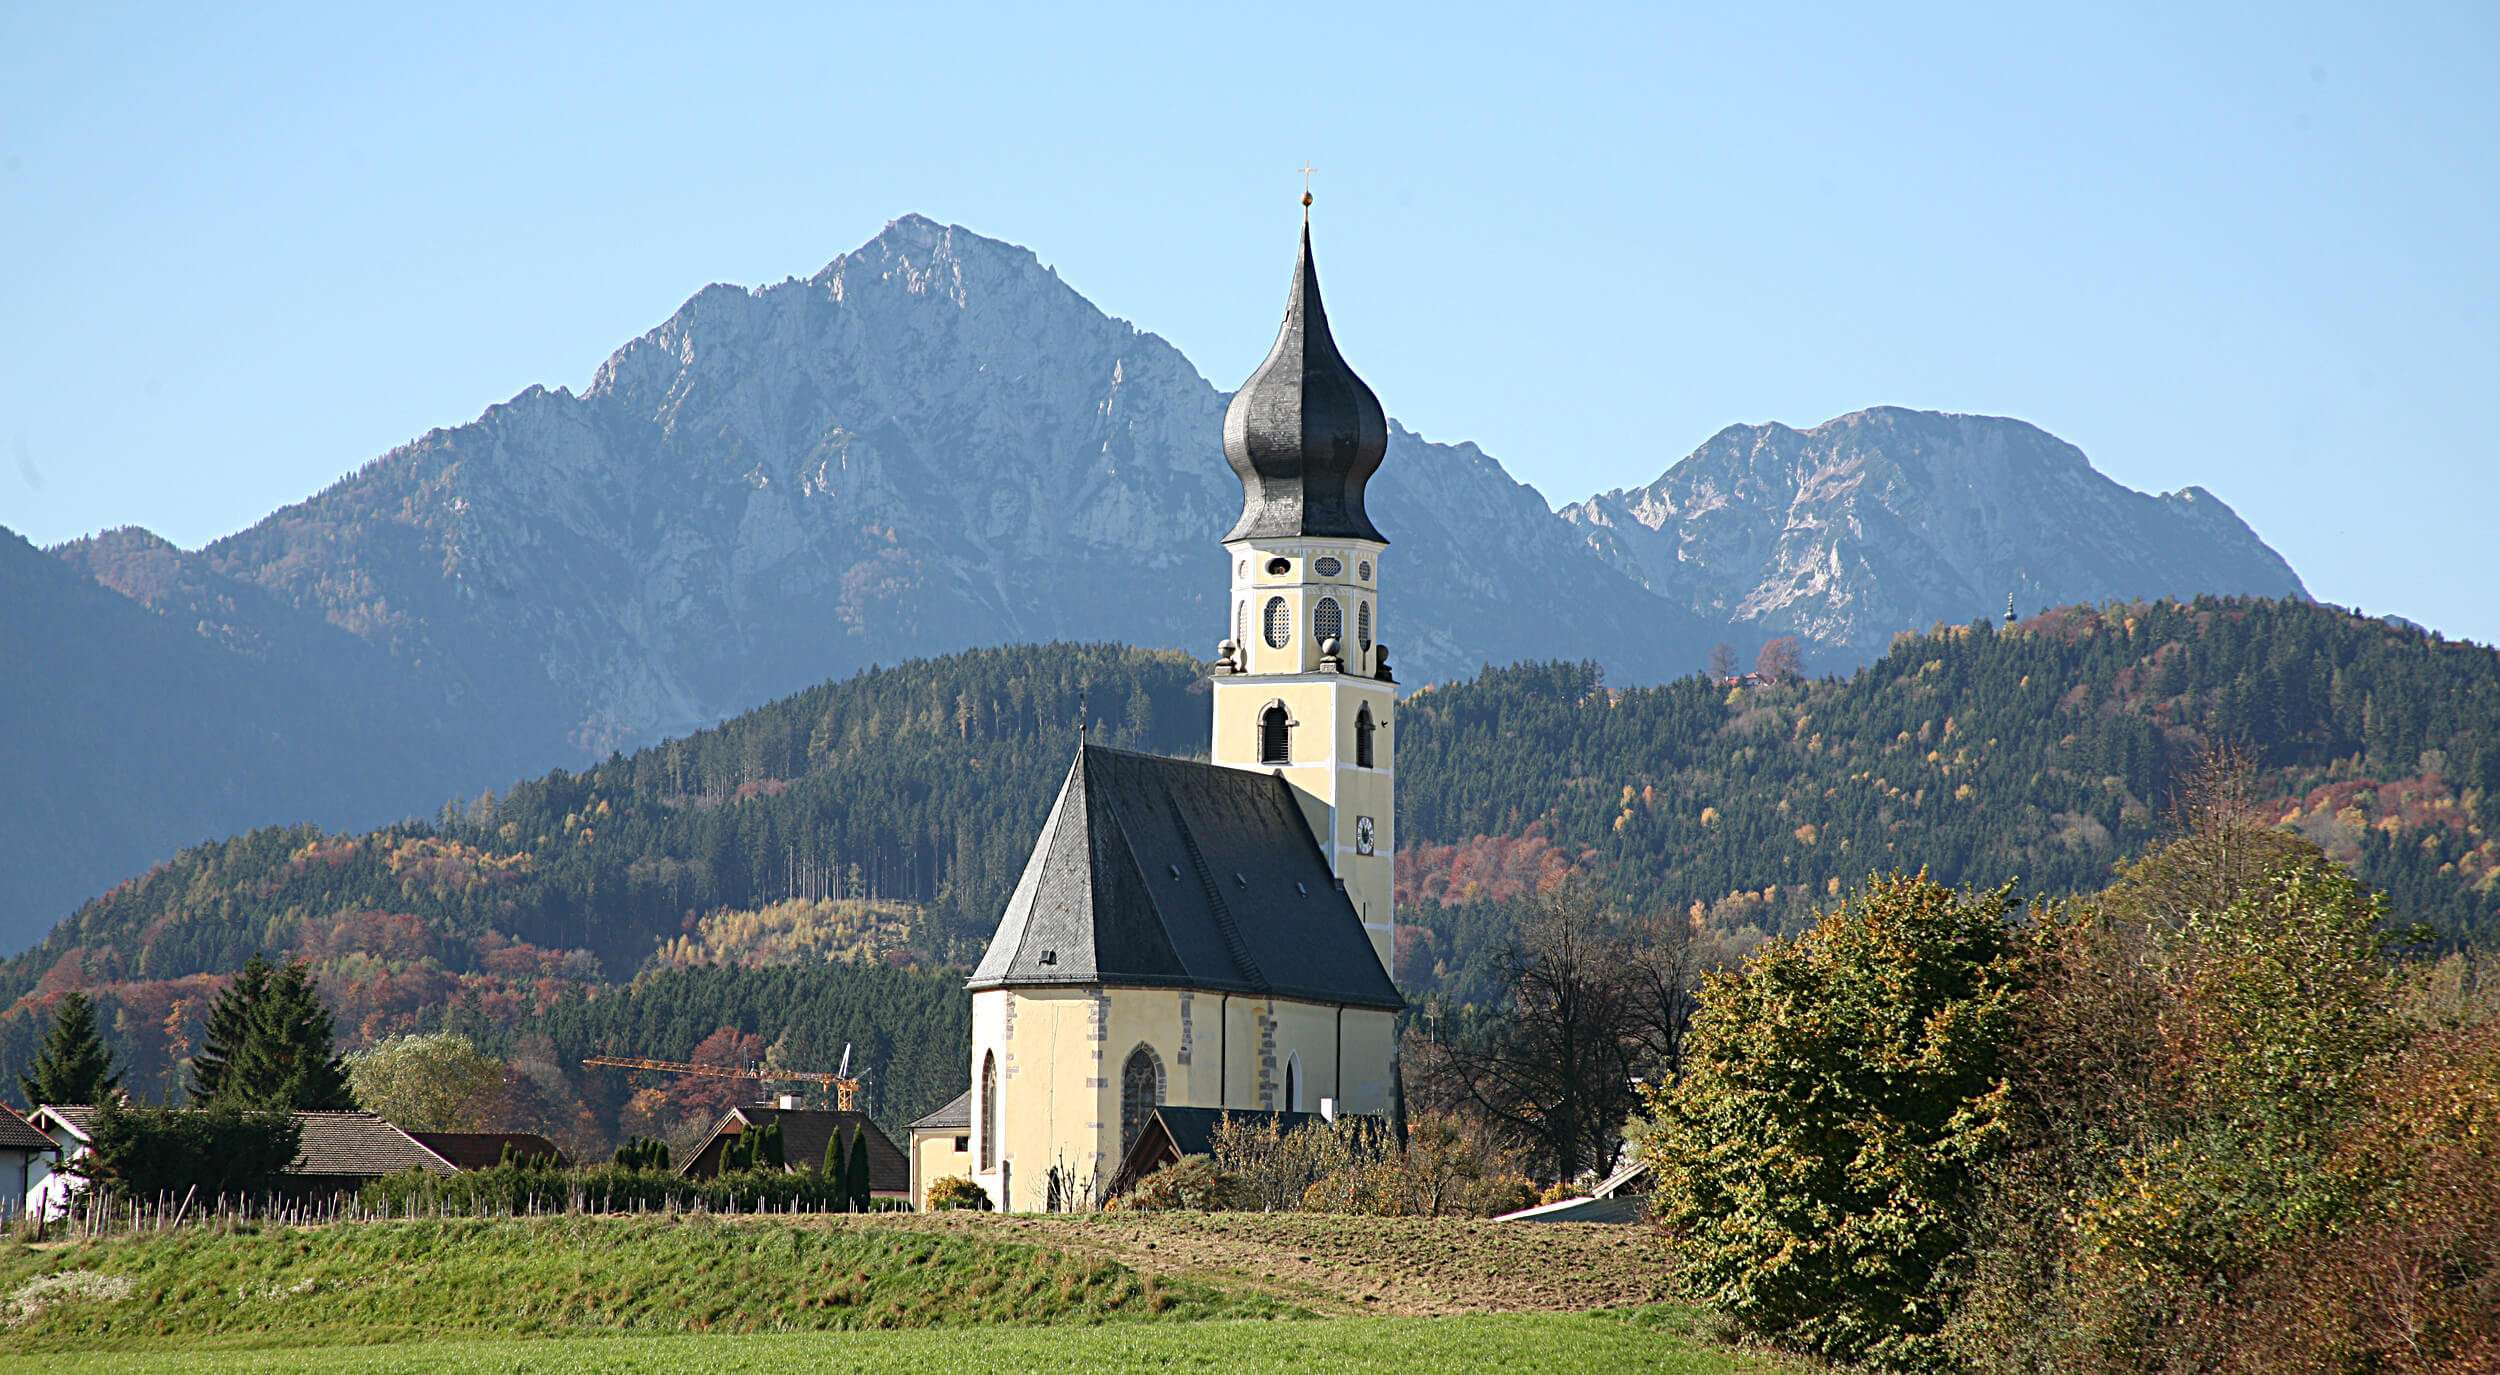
pixel 1363 739
pixel 1327 620
pixel 1363 625
pixel 1275 735
pixel 1279 623
pixel 1241 625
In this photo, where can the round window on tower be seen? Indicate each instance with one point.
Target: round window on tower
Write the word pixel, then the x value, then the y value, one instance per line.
pixel 1363 625
pixel 1327 620
pixel 1279 623
pixel 1279 567
pixel 1363 570
pixel 1329 567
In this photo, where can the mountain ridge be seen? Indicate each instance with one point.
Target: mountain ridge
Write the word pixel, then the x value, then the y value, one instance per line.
pixel 930 444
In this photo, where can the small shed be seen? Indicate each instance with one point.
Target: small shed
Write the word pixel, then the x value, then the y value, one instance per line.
pixel 941 1145
pixel 805 1132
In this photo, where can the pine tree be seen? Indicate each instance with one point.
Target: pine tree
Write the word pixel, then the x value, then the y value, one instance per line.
pixel 74 1065
pixel 858 1179
pixel 283 1060
pixel 229 1027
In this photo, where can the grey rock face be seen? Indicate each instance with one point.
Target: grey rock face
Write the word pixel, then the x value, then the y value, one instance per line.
pixel 1890 520
pixel 933 443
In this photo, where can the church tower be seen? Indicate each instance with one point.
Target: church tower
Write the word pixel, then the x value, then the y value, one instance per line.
pixel 1303 687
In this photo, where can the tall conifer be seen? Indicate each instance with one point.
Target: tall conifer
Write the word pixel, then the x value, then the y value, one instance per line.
pixel 229 1027
pixel 858 1177
pixel 74 1065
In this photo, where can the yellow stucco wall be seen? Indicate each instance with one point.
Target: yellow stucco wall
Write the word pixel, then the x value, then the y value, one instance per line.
pixel 1060 1053
pixel 933 1157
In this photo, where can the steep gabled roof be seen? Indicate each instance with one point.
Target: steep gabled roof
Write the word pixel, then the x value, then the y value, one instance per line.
pixel 18 1134
pixel 1171 873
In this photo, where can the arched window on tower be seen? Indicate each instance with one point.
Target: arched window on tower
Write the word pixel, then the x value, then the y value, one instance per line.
pixel 1141 1092
pixel 1363 738
pixel 989 1112
pixel 1363 625
pixel 1275 735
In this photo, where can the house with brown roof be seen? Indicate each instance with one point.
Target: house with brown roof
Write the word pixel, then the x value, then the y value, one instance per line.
pixel 805 1132
pixel 339 1153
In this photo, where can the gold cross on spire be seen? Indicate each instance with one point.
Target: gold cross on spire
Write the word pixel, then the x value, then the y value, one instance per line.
pixel 1307 170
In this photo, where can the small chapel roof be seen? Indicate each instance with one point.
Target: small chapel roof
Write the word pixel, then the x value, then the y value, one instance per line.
pixel 1172 873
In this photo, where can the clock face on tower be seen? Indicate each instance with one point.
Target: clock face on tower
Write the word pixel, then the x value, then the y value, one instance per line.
pixel 1362 835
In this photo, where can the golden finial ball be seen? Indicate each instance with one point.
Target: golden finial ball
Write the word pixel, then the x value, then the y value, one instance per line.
pixel 1306 200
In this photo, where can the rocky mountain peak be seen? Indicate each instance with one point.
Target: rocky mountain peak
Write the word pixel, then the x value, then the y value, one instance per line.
pixel 1887 519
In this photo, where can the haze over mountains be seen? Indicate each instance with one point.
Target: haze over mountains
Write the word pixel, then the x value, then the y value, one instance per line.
pixel 931 444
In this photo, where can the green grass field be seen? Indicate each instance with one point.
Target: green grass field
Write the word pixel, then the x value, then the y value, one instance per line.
pixel 656 1294
pixel 1543 1343
pixel 393 1281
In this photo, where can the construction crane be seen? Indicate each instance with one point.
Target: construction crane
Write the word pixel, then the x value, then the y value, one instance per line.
pixel 845 1088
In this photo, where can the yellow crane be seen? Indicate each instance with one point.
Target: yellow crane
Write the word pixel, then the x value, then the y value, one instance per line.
pixel 845 1088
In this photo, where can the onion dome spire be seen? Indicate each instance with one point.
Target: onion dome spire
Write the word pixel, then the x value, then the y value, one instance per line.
pixel 1304 434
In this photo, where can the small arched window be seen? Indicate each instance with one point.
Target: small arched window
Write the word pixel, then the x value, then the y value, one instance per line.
pixel 1363 738
pixel 1241 627
pixel 989 1111
pixel 1141 1092
pixel 1275 735
pixel 1363 625
pixel 1279 623
pixel 1293 1083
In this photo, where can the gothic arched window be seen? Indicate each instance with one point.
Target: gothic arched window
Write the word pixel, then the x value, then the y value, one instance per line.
pixel 1363 738
pixel 1141 1092
pixel 989 1112
pixel 1275 735
pixel 1293 1083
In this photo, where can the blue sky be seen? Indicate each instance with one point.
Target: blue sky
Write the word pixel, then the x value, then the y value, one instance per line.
pixel 2254 248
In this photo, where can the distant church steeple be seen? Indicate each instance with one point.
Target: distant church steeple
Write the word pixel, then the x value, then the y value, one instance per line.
pixel 2009 608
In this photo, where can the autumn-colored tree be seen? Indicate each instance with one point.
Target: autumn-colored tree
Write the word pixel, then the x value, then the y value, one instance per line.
pixel 437 1082
pixel 1819 1159
pixel 1780 660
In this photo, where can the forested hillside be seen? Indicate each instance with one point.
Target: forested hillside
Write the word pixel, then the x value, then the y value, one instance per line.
pixel 2040 753
pixel 882 821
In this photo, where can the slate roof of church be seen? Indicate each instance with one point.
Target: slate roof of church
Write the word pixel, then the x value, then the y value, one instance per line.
pixel 1171 873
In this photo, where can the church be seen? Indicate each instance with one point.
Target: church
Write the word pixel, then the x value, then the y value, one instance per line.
pixel 1217 934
